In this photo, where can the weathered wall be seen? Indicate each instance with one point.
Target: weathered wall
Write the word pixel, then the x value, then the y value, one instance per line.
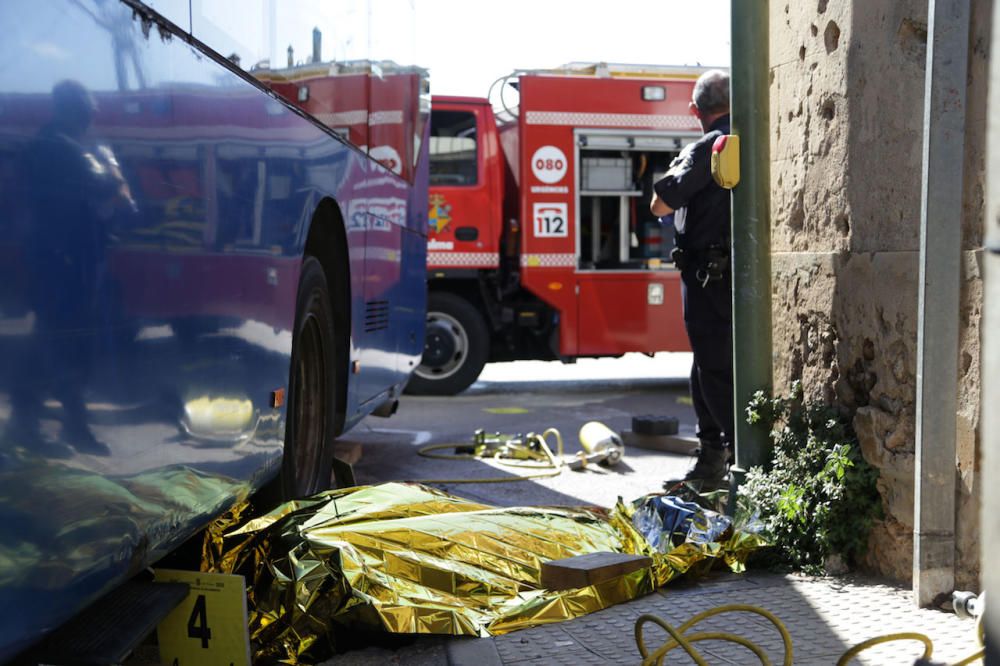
pixel 810 212
pixel 847 88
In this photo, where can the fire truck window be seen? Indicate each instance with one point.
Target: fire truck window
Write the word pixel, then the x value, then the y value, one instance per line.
pixel 453 148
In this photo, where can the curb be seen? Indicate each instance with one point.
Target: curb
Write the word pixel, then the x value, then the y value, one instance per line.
pixel 473 652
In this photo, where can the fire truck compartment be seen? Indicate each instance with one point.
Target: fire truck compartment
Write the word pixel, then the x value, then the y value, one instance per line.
pixel 606 173
pixel 616 230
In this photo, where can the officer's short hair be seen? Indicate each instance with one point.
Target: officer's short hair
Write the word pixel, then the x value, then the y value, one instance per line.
pixel 711 92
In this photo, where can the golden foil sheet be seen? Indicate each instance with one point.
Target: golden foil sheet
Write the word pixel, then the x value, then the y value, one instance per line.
pixel 412 559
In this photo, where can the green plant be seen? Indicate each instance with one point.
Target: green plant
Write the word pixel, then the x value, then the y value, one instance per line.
pixel 817 497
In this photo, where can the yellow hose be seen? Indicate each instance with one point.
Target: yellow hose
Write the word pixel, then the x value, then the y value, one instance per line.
pixel 679 639
pixel 888 638
pixel 551 462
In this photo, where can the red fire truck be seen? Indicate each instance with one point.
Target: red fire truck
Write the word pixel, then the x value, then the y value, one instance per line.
pixel 541 244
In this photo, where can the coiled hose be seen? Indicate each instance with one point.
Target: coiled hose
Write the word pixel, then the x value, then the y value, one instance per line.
pixel 679 639
pixel 542 458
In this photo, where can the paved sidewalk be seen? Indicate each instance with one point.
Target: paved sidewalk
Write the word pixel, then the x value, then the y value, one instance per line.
pixel 825 617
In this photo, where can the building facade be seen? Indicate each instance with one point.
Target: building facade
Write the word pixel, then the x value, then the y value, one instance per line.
pixel 846 114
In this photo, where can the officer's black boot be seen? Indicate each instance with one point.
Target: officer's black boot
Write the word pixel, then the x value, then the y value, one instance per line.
pixel 713 463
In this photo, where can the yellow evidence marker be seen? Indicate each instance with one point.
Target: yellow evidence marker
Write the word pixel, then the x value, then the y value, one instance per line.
pixel 210 625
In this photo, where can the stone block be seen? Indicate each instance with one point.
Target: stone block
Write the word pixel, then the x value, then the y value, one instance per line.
pixel 590 569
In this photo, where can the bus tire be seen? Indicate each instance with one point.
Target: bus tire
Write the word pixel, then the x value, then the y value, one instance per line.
pixel 307 463
pixel 455 349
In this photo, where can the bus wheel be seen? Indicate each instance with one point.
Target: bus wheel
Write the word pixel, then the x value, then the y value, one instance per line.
pixel 306 466
pixel 455 347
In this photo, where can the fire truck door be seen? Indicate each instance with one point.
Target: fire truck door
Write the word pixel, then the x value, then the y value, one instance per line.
pixel 628 297
pixel 464 199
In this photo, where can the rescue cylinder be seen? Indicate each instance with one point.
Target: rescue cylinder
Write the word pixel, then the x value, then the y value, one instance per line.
pixel 595 437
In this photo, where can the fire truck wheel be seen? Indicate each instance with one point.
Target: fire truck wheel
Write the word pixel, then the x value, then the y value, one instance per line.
pixel 307 464
pixel 455 348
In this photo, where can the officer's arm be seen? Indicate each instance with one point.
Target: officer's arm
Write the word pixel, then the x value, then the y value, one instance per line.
pixel 658 207
pixel 688 174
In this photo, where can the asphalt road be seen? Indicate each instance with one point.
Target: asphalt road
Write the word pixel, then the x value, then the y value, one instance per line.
pixel 525 397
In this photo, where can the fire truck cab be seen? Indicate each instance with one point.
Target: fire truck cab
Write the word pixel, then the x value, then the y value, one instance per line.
pixel 541 244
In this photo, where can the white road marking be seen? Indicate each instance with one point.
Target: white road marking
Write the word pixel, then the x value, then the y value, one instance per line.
pixel 419 436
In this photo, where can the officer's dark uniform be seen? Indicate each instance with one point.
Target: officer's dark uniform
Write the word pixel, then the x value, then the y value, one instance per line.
pixel 702 224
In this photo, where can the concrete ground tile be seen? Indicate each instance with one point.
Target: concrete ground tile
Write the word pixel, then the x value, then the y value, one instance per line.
pixel 810 660
pixel 545 643
pixel 681 609
pixel 519 648
pixel 511 657
pixel 725 581
pixel 899 653
pixel 643 605
pixel 859 612
pixel 605 638
pixel 567 657
pixel 818 639
pixel 676 657
pixel 679 657
pixel 724 650
pixel 608 645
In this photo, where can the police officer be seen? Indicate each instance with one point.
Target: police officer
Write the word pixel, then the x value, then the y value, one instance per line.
pixel 702 230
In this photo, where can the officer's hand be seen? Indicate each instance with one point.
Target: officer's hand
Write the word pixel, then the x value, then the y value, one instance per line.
pixel 677 256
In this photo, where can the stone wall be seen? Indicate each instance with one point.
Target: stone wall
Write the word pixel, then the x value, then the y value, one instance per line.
pixel 847 88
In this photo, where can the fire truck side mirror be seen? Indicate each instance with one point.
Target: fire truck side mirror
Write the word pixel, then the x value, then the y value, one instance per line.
pixel 726 161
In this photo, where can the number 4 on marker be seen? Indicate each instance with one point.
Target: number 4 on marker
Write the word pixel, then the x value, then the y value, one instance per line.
pixel 198 622
pixel 221 640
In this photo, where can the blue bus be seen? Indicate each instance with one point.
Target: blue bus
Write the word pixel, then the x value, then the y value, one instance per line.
pixel 212 263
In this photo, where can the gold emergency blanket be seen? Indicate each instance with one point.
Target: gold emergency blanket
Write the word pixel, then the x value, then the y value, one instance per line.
pixel 412 559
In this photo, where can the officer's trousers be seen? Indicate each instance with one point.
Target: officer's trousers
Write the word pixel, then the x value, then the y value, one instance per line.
pixel 708 320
